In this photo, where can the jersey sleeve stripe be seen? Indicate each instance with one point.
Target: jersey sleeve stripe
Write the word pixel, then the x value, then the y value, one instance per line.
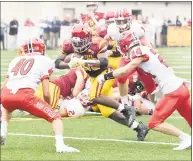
pixel 44 77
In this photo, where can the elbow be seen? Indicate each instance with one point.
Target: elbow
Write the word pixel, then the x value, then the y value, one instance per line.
pixel 57 63
pixel 46 95
pixel 75 93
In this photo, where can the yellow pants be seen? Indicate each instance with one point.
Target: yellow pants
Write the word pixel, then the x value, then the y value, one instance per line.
pixel 102 90
pixel 114 62
pixel 54 93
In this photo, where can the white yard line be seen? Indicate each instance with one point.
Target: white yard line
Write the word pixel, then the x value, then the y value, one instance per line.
pixel 181 67
pixel 94 139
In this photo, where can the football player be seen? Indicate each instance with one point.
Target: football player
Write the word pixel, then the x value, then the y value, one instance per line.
pixel 123 22
pixel 92 18
pixel 172 90
pixel 63 87
pixel 24 74
pixel 94 60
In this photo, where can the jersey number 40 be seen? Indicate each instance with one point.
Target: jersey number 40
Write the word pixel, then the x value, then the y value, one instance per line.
pixel 23 66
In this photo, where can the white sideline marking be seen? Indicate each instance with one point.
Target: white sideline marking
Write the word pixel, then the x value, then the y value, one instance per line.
pixel 95 139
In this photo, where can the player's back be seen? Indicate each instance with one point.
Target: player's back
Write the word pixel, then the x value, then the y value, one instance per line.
pixel 28 71
pixel 155 66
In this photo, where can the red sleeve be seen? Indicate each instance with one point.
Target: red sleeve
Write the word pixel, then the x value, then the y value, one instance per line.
pixel 44 77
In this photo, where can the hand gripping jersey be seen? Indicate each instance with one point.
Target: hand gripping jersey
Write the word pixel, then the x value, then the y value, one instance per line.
pixel 28 71
pixel 155 68
pixel 98 45
pixel 93 19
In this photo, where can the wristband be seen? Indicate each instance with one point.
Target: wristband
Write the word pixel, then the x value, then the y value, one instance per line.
pixel 108 76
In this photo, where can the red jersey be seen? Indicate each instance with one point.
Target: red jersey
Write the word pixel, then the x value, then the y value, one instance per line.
pixel 67 81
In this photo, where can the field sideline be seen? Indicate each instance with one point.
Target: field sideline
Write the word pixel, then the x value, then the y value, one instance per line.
pixel 96 137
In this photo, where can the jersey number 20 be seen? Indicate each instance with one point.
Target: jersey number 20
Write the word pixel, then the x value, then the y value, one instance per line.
pixel 23 66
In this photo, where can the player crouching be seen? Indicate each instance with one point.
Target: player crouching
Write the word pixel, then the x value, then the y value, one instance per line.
pixel 24 74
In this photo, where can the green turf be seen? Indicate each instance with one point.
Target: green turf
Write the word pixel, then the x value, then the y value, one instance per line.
pixel 40 148
pixel 19 147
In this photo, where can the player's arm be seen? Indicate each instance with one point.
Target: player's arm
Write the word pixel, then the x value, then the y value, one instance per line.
pixel 125 69
pixel 145 41
pixel 60 63
pixel 47 71
pixel 79 83
pixel 46 92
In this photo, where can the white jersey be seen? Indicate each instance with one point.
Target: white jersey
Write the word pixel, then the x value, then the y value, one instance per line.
pixel 114 32
pixel 28 71
pixel 154 65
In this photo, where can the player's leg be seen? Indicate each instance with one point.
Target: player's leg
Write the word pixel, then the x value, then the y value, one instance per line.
pixel 5 118
pixel 9 104
pixel 185 109
pixel 100 97
pixel 41 109
pixel 164 108
pixel 123 84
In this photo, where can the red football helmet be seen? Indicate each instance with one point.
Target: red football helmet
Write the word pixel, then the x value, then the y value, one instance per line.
pixel 33 46
pixel 81 37
pixel 123 19
pixel 109 17
pixel 126 41
pixel 101 30
pixel 67 46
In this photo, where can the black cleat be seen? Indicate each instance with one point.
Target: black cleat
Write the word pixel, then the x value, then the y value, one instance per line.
pixel 142 131
pixel 129 113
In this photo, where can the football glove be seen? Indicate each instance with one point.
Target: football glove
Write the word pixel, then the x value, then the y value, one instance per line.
pixel 74 62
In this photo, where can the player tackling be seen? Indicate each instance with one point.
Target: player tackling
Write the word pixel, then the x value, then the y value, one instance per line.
pixel 172 91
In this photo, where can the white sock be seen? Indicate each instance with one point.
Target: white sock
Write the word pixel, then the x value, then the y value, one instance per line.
pixel 125 100
pixel 183 136
pixel 4 125
pixel 59 140
pixel 134 125
pixel 121 107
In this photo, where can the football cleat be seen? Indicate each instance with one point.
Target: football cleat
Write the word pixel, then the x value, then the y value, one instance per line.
pixel 142 131
pixel 129 113
pixel 184 144
pixel 3 140
pixel 64 148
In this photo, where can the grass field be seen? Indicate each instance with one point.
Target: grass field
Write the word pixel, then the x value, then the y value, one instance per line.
pixel 97 138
